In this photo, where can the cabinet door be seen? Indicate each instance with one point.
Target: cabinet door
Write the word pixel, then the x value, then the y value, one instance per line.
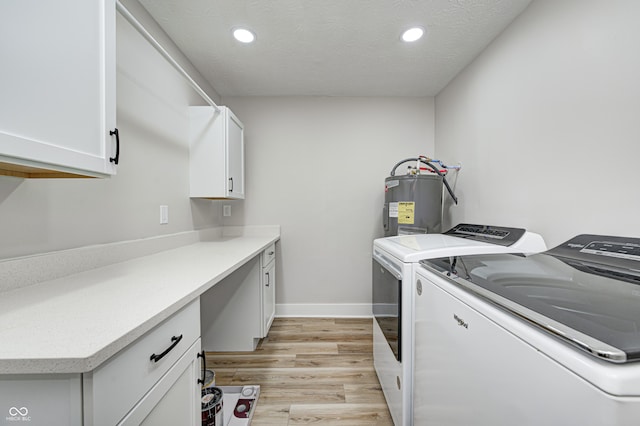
pixel 175 399
pixel 207 170
pixel 216 153
pixel 235 156
pixel 268 296
pixel 176 406
pixel 57 81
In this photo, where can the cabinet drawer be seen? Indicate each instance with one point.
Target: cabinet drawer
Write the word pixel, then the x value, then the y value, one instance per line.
pixel 117 385
pixel 268 254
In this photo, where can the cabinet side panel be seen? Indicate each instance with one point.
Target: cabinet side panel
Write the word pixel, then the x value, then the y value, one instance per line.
pixel 41 400
pixel 206 153
pixel 230 311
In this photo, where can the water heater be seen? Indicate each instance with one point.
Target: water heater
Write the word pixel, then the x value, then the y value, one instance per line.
pixel 413 202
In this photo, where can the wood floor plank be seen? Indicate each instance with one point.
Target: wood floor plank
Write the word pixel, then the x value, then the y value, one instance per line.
pixel 285 328
pixel 311 371
pixel 269 347
pixel 303 320
pixel 356 360
pixel 339 415
pixel 356 347
pixel 297 376
pixel 346 321
pixel 364 394
pixel 302 394
pixel 244 360
pixel 270 414
pixel 344 328
pixel 319 336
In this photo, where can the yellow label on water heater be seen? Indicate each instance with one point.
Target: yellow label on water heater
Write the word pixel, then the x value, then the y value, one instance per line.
pixel 406 212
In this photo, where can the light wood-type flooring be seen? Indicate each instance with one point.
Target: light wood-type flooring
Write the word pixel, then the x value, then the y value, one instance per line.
pixel 311 371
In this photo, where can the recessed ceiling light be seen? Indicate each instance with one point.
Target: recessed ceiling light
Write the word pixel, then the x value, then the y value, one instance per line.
pixel 243 35
pixel 413 34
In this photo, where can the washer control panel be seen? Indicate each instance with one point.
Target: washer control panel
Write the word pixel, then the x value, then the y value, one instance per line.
pixel 500 235
pixel 603 249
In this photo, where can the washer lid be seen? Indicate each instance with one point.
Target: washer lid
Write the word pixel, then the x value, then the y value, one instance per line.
pixel 587 299
pixel 461 240
pixel 413 248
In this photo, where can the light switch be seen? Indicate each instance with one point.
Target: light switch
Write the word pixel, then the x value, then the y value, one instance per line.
pixel 226 210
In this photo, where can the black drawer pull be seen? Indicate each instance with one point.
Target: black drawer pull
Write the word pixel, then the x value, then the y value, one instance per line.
pixel 115 159
pixel 175 340
pixel 204 367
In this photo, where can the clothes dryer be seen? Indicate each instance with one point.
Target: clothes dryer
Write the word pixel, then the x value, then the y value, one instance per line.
pixel 395 260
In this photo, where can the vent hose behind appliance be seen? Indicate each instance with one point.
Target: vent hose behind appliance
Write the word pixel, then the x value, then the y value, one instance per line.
pixel 426 161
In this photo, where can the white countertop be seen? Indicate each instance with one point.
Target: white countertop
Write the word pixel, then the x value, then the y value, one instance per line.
pixel 73 324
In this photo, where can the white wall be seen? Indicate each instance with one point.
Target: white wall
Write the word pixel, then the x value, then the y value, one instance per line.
pixel 46 215
pixel 316 166
pixel 546 122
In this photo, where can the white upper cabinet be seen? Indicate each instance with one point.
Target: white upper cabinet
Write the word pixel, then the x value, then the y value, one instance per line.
pixel 216 153
pixel 57 86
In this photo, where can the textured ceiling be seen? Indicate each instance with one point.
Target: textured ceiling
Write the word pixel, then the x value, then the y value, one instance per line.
pixel 332 47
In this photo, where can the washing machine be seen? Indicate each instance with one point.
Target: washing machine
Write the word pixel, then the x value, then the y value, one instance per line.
pixel 547 339
pixel 395 261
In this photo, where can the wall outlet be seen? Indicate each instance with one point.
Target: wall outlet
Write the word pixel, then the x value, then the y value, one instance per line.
pixel 226 210
pixel 164 215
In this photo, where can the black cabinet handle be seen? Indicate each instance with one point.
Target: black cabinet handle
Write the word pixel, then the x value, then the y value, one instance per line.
pixel 204 367
pixel 175 340
pixel 231 181
pixel 268 280
pixel 115 159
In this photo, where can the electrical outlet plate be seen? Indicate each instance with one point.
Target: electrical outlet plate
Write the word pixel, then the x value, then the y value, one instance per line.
pixel 164 215
pixel 226 210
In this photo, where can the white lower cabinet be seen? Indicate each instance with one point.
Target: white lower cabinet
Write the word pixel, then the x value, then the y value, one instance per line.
pixel 238 311
pixel 153 381
pixel 158 372
pixel 268 288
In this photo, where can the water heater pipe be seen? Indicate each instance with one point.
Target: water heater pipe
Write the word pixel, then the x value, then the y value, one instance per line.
pixel 434 168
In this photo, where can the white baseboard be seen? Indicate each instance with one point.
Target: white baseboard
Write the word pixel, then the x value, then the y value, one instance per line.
pixel 331 310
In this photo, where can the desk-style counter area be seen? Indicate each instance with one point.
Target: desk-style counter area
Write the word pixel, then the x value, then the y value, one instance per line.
pixel 75 323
